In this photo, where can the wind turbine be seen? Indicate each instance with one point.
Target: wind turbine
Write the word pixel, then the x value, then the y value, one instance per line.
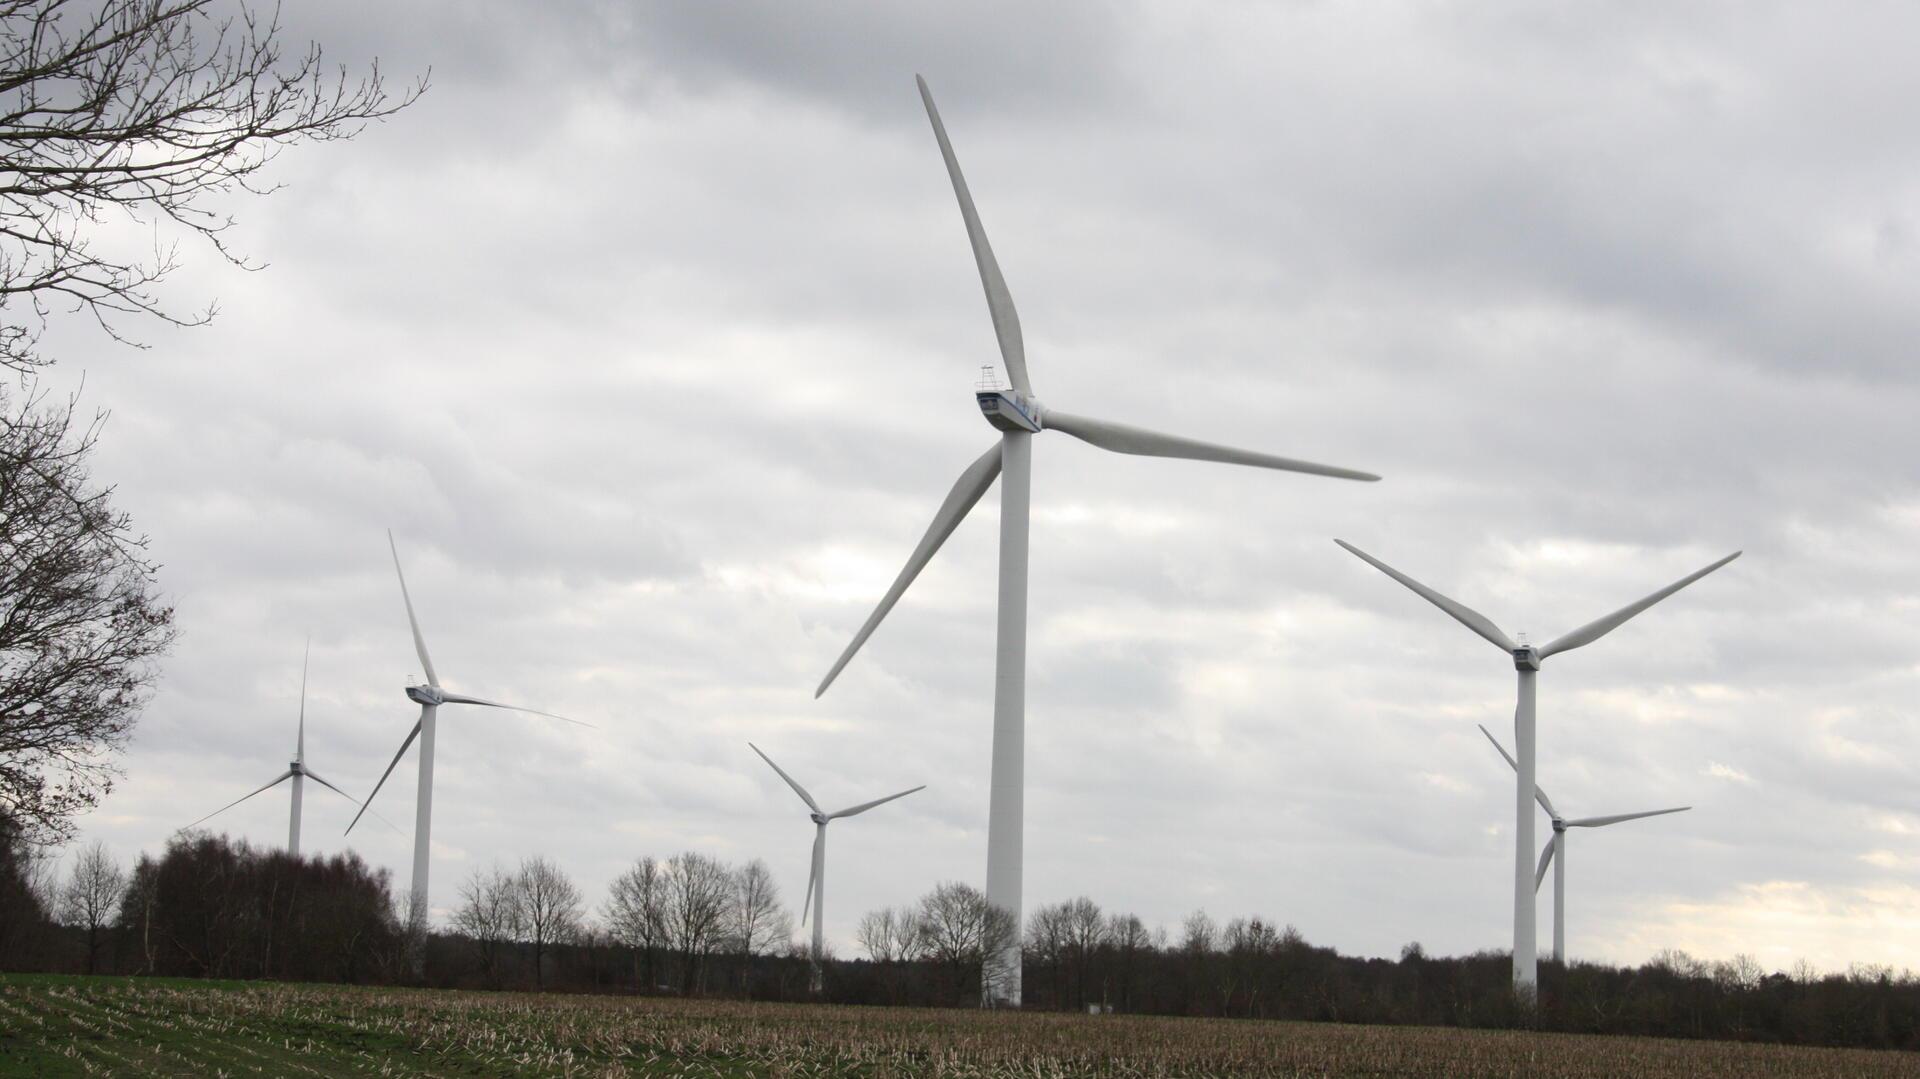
pixel 297 770
pixel 429 697
pixel 817 877
pixel 1019 416
pixel 1556 849
pixel 1526 660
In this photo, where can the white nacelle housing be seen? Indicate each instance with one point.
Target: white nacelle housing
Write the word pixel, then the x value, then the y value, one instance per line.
pixel 1010 410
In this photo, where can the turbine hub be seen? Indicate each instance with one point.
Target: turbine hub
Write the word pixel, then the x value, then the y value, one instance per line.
pixel 1559 825
pixel 818 818
pixel 429 695
pixel 1010 410
pixel 1526 658
pixel 297 768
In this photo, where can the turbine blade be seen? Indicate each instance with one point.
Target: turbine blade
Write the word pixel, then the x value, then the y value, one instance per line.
pixel 864 806
pixel 1599 628
pixel 966 491
pixel 300 744
pixel 797 788
pixel 1538 794
pixel 1465 615
pixel 1602 822
pixel 1121 438
pixel 813 873
pixel 1515 765
pixel 315 776
pixel 1006 321
pixel 277 780
pixel 368 804
pixel 1546 856
pixel 419 642
pixel 461 698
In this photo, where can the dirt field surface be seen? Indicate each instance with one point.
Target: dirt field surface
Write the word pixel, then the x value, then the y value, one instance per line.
pixel 55 1026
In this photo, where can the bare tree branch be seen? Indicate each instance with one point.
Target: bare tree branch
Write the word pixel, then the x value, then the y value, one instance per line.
pixel 145 112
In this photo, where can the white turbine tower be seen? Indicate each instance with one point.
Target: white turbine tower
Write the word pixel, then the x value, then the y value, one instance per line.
pixel 1556 849
pixel 297 770
pixel 429 697
pixel 1019 416
pixel 1526 660
pixel 817 877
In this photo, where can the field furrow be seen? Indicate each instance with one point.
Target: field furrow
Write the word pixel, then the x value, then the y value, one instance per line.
pixel 133 1027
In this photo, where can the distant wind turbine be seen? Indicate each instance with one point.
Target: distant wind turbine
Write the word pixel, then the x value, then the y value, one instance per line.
pixel 1019 416
pixel 1526 660
pixel 429 697
pixel 1556 849
pixel 817 877
pixel 297 770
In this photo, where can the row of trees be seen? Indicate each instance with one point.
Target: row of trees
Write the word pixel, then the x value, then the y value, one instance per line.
pixel 941 950
pixel 689 909
pixel 692 924
pixel 207 907
pixel 673 916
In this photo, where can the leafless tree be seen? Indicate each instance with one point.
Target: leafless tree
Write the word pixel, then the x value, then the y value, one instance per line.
pixel 892 938
pixel 1085 930
pixel 967 937
pixel 1198 933
pixel 1130 940
pixel 1250 944
pixel 1046 947
pixel 150 112
pixel 699 893
pixel 90 899
pixel 137 907
pixel 549 909
pixel 1199 943
pixel 890 935
pixel 82 625
pixel 760 921
pixel 491 916
pixel 635 913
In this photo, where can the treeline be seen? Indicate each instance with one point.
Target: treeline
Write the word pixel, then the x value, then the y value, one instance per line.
pixel 208 908
pixel 694 925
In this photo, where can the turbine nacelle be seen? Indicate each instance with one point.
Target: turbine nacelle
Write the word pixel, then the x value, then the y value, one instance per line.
pixel 818 818
pixel 1526 658
pixel 296 770
pixel 427 695
pixel 1011 410
pixel 1559 825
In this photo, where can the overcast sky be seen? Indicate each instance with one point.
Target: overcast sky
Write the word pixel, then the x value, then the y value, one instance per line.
pixel 651 331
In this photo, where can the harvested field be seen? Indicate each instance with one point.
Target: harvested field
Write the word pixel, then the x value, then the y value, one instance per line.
pixel 133 1027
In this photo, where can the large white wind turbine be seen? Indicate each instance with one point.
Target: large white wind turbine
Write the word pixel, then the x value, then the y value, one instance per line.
pixel 817 877
pixel 1019 416
pixel 429 697
pixel 1526 660
pixel 1556 849
pixel 297 771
